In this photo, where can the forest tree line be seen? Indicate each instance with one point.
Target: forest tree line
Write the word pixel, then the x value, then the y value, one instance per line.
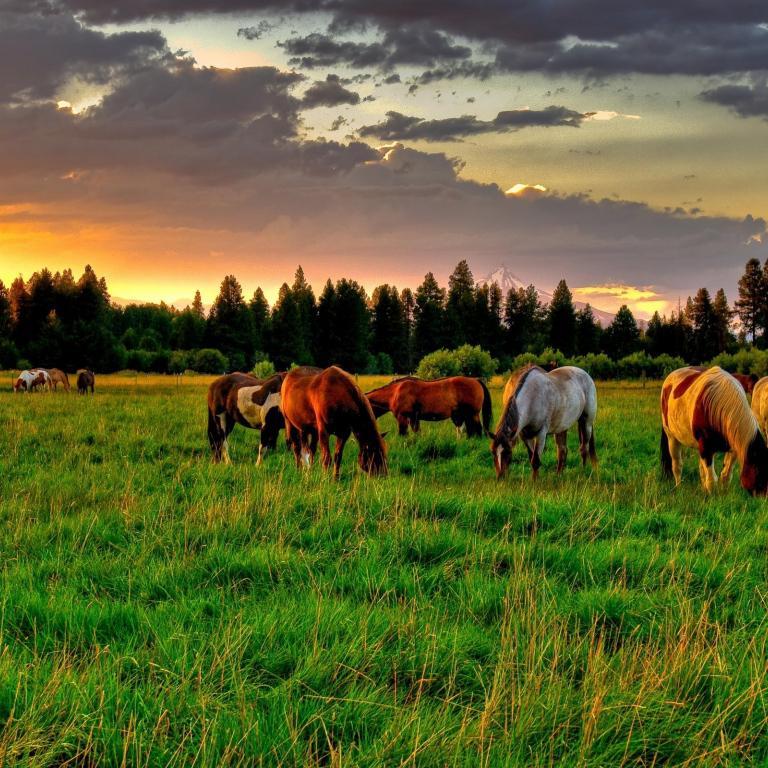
pixel 57 320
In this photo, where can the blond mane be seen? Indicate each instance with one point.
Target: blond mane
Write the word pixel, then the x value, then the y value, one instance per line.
pixel 728 411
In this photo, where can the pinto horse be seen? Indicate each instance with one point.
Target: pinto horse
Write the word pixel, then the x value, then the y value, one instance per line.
pixel 537 404
pixel 708 410
pixel 239 398
pixel 411 400
pixel 85 381
pixel 747 381
pixel 760 403
pixel 27 381
pixel 318 405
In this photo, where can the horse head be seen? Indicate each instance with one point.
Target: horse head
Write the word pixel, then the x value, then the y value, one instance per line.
pixel 754 473
pixel 505 438
pixel 372 458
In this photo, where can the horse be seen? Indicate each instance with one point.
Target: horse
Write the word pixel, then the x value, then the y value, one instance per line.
pixel 57 377
pixel 85 381
pixel 760 404
pixel 318 405
pixel 747 381
pixel 411 400
pixel 239 398
pixel 537 403
pixel 27 381
pixel 708 410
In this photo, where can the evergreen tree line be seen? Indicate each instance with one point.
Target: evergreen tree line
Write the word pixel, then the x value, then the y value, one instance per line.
pixel 55 320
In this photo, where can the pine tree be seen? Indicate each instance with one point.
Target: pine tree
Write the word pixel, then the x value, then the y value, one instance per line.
pixel 389 333
pixel 460 307
pixel 259 307
pixel 229 325
pixel 197 305
pixel 352 326
pixel 588 331
pixel 622 337
pixel 704 325
pixel 429 318
pixel 562 320
pixel 750 306
pixel 304 297
pixel 654 335
pixel 409 305
pixel 287 343
pixel 523 319
pixel 326 340
pixel 723 318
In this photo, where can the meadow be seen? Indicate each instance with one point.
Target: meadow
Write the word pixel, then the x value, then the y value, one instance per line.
pixel 157 609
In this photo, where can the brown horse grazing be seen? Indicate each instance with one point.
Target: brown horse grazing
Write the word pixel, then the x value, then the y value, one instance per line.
pixel 85 381
pixel 239 398
pixel 459 398
pixel 747 381
pixel 708 410
pixel 57 377
pixel 318 405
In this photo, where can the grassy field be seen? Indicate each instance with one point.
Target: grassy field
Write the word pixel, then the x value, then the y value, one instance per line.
pixel 159 610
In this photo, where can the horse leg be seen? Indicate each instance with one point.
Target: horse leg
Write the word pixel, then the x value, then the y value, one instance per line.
pixel 415 423
pixel 293 438
pixel 725 475
pixel 707 471
pixel 675 451
pixel 325 446
pixel 541 441
pixel 458 419
pixel 341 441
pixel 561 439
pixel 402 424
pixel 312 446
pixel 224 428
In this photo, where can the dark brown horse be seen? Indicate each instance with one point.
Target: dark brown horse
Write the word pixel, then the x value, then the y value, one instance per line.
pixel 459 398
pixel 747 381
pixel 239 398
pixel 318 405
pixel 85 381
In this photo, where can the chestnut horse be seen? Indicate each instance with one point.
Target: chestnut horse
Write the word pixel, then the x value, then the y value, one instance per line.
pixel 57 377
pixel 760 403
pixel 239 398
pixel 318 405
pixel 85 381
pixel 747 381
pixel 708 410
pixel 537 404
pixel 459 398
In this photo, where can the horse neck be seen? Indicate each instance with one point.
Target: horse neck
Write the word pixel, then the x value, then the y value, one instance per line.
pixel 364 428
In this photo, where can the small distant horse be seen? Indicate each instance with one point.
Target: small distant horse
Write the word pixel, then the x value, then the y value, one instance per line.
pixel 29 381
pixel 708 410
pixel 239 398
pixel 760 404
pixel 57 377
pixel 318 405
pixel 747 381
pixel 85 381
pixel 459 398
pixel 537 404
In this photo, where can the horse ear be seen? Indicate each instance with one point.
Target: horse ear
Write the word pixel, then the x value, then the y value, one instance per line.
pixel 384 434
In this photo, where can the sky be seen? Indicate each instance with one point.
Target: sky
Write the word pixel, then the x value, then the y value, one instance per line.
pixel 170 142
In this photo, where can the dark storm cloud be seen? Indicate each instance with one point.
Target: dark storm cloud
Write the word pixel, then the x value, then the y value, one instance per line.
pixel 418 46
pixel 38 54
pixel 399 127
pixel 329 93
pixel 257 31
pixel 744 100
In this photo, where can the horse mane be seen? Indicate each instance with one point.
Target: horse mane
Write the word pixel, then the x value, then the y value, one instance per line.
pixel 510 411
pixel 728 411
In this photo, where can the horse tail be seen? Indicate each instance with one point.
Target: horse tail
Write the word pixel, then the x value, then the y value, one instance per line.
pixel 66 379
pixel 215 436
pixel 592 451
pixel 487 406
pixel 666 456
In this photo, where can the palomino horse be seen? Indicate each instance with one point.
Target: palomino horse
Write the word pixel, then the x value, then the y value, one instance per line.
pixel 760 404
pixel 238 398
pixel 27 381
pixel 537 404
pixel 412 400
pixel 85 381
pixel 57 377
pixel 708 410
pixel 318 405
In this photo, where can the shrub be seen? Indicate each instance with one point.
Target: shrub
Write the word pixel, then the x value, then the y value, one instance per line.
pixel 263 369
pixel 598 366
pixel 139 360
pixel 208 361
pixel 178 362
pixel 464 361
pixel 437 364
pixel 380 364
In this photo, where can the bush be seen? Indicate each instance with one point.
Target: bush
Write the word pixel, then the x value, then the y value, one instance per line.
pixel 598 366
pixel 263 369
pixel 139 360
pixel 380 364
pixel 178 362
pixel 208 361
pixel 744 361
pixel 464 361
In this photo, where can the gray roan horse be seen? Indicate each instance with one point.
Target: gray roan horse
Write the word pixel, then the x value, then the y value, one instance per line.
pixel 537 404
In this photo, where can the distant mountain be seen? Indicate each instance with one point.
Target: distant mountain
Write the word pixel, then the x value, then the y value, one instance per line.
pixel 507 279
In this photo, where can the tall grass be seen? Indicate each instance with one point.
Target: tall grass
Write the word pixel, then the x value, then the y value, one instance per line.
pixel 156 609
